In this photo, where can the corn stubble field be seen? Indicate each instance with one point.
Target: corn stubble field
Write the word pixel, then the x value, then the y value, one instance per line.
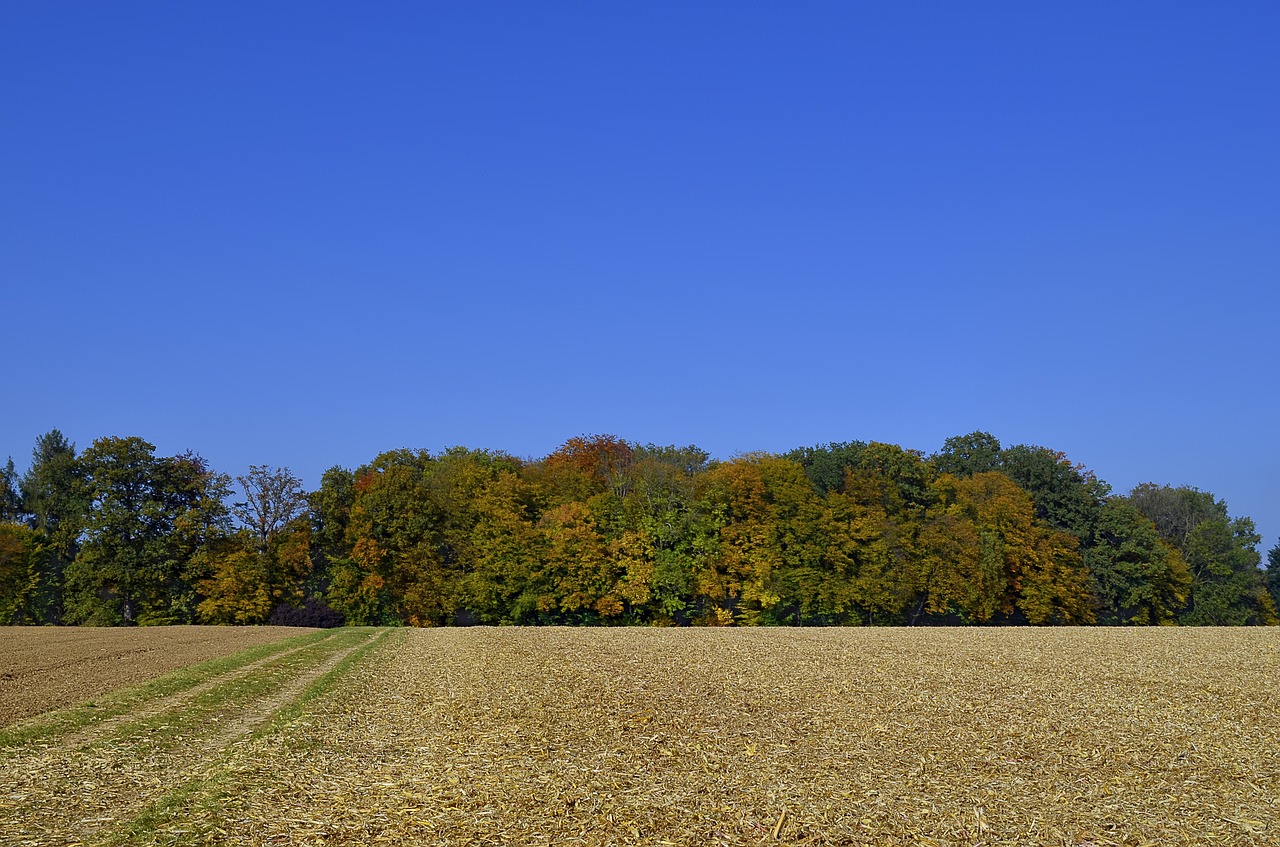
pixel 651 736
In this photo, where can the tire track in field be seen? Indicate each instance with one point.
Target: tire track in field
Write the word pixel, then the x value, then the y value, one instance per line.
pixel 43 669
pixel 171 702
pixel 56 794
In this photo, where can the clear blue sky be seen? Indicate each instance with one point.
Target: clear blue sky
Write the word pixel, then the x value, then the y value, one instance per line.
pixel 304 233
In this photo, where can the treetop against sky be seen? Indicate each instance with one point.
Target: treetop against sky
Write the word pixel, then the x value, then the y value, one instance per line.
pixel 603 531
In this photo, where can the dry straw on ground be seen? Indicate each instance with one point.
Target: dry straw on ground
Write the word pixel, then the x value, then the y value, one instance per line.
pixel 722 737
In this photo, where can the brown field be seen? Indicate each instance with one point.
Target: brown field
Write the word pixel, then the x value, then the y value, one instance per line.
pixel 1082 737
pixel 44 668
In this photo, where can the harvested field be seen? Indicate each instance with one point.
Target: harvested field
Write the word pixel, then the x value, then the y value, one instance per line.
pixel 96 774
pixel 44 668
pixel 729 737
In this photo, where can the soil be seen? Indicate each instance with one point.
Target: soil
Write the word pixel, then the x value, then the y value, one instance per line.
pixel 44 668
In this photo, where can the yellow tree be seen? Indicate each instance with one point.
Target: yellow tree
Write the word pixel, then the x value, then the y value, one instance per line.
pixel 247 577
pixel 733 583
pixel 773 559
pixel 263 565
pixel 634 554
pixel 499 586
pixel 880 534
pixel 237 590
pixel 577 567
pixel 962 569
pixel 19 572
pixel 1043 580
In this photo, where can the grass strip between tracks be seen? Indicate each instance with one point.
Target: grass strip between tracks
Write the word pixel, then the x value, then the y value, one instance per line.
pixel 204 795
pixel 123 700
pixel 170 724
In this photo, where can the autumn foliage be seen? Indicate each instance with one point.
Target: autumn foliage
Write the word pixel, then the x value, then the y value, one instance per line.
pixel 603 531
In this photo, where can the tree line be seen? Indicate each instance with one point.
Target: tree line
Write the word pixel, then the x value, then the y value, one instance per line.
pixel 604 531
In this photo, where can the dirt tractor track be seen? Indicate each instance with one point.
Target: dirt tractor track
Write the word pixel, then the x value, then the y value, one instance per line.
pixel 43 668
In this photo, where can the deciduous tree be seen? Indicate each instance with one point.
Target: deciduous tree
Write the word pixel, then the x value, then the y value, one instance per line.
pixel 826 464
pixel 1043 579
pixel 1067 496
pixel 273 497
pixel 19 573
pixel 962 573
pixel 1273 574
pixel 148 516
pixel 580 576
pixel 584 466
pixel 966 455
pixel 1227 585
pixel 1141 578
pixel 1176 511
pixel 501 586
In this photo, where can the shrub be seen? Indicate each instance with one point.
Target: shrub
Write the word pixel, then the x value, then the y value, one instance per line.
pixel 312 613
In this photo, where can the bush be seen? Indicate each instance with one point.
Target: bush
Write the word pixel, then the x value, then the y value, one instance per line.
pixel 312 613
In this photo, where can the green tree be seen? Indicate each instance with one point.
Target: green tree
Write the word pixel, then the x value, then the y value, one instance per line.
pixel 1273 574
pixel 663 534
pixel 51 492
pixel 826 464
pixel 830 468
pixel 1067 496
pixel 10 499
pixel 1176 512
pixel 1141 578
pixel 682 463
pixel 148 517
pixel 1227 586
pixel 56 507
pixel 502 585
pixel 330 512
pixel 966 455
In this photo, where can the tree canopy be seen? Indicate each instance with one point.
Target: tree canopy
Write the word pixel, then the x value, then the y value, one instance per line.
pixel 604 531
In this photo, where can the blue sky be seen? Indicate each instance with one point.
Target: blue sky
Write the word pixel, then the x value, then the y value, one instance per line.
pixel 304 233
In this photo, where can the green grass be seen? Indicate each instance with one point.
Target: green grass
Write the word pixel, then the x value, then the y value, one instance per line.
pixel 124 700
pixel 168 726
pixel 201 799
pixel 322 684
